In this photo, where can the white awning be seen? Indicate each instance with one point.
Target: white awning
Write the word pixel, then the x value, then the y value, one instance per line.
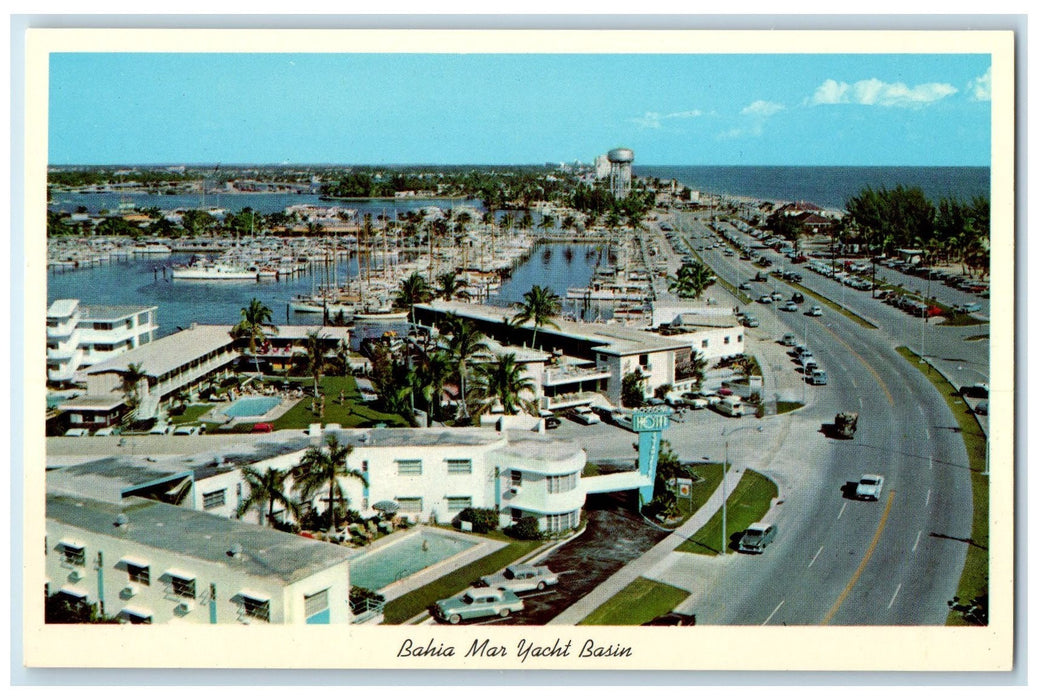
pixel 74 592
pixel 254 596
pixel 72 544
pixel 133 561
pixel 180 574
pixel 137 612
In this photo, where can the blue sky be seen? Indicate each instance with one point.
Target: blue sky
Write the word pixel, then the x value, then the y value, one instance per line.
pixel 520 108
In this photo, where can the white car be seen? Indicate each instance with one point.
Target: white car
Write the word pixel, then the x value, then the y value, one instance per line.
pixel 789 306
pixel 521 578
pixel 694 401
pixel 585 416
pixel 104 432
pixel 189 430
pixel 869 487
pixel 161 429
pixel 77 432
pixel 815 310
pixel 818 377
pixel 764 299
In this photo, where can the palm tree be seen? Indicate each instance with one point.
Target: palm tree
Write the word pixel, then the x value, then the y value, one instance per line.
pixel 266 489
pixel 315 360
pixel 429 375
pixel 255 319
pixel 466 342
pixel 539 305
pixel 413 290
pixel 502 381
pixel 131 380
pixel 319 468
pixel 451 286
pixel 692 280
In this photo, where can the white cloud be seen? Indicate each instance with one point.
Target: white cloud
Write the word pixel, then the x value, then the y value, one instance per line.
pixel 741 132
pixel 654 120
pixel 763 108
pixel 980 87
pixel 876 92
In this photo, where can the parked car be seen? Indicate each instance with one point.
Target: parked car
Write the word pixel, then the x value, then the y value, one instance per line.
pixel 818 377
pixel 521 578
pixel 788 339
pixel 477 602
pixel 815 310
pixel 584 415
pixel 744 286
pixel 105 432
pixel 809 367
pixel 263 428
pixel 789 306
pixel 750 321
pixel 764 299
pixel 968 308
pixel 776 296
pixel 161 429
pixel 979 391
pixel 798 297
pixel 694 401
pixel 757 537
pixel 77 432
pixel 731 406
pixel 869 487
pixel 671 619
pixel 981 409
pixel 189 430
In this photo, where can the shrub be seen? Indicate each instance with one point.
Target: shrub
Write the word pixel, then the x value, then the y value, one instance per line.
pixel 483 519
pixel 526 529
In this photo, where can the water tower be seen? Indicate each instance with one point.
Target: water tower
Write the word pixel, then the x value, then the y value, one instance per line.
pixel 620 160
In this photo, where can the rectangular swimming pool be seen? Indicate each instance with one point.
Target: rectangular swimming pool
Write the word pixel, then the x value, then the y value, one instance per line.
pixel 405 557
pixel 251 406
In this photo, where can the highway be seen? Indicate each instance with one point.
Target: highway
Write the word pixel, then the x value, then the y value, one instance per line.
pixel 837 560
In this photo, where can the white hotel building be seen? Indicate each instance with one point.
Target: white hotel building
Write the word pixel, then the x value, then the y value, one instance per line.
pixel 79 336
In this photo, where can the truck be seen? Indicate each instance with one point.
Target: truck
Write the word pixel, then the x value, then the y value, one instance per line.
pixel 846 424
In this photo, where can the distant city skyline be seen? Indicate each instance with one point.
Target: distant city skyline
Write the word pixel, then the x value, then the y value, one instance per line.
pixel 489 109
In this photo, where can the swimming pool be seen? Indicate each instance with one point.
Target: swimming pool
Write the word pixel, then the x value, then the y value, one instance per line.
pixel 251 406
pixel 405 557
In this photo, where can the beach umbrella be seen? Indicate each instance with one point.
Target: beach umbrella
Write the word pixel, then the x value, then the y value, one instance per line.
pixel 387 507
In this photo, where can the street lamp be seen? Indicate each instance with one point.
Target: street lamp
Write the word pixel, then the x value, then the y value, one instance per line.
pixel 725 433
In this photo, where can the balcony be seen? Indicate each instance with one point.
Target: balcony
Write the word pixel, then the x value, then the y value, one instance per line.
pixel 568 374
pixel 576 398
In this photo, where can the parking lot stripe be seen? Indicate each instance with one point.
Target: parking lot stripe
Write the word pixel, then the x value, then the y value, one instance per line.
pixel 864 561
pixel 928 492
pixel 815 556
pixel 917 538
pixel 841 511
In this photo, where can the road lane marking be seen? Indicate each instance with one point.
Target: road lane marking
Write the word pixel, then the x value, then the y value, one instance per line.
pixel 861 404
pixel 864 561
pixel 841 511
pixel 928 492
pixel 896 591
pixel 772 614
pixel 931 462
pixel 920 409
pixel 815 556
pixel 917 538
pixel 882 384
pixel 854 383
pixel 927 433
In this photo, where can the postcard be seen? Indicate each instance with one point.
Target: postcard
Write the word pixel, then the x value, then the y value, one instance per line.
pixel 568 350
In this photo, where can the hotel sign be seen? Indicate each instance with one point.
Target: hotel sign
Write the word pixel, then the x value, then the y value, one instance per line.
pixel 645 420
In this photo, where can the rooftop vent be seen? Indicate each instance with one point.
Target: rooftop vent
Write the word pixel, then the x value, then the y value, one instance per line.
pixel 121 520
pixel 235 551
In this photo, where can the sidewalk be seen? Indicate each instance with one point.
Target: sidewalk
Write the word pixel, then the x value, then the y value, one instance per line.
pixel 625 576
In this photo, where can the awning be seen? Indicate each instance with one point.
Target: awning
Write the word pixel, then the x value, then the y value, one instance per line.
pixel 73 592
pixel 132 561
pixel 175 573
pixel 252 595
pixel 72 544
pixel 136 612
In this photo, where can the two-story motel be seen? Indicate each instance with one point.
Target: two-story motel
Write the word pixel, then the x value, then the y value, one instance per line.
pixel 579 362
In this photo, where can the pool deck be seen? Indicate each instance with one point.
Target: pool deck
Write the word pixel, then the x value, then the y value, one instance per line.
pixel 483 547
pixel 217 415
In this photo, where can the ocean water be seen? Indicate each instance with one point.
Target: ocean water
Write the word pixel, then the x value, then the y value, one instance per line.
pixel 829 187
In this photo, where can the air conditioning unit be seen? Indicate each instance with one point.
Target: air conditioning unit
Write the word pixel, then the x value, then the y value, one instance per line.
pixel 516 489
pixel 184 607
pixel 129 592
pixel 75 575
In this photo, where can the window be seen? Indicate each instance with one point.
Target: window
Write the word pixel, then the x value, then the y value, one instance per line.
pixel 139 574
pixel 727 340
pixel 410 504
pixel 316 608
pixel 456 504
pixel 134 617
pixel 74 555
pixel 643 360
pixel 214 499
pixel 738 338
pixel 517 479
pixel 562 521
pixel 706 343
pixel 561 484
pixel 255 608
pixel 409 467
pixel 182 587
pixel 459 466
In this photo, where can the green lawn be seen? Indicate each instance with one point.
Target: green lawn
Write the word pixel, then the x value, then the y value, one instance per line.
pixel 974 579
pixel 417 601
pixel 191 413
pixel 787 406
pixel 710 479
pixel 747 503
pixel 640 601
pixel 350 414
pixel 833 305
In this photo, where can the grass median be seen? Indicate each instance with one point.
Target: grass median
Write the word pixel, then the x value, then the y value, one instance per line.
pixel 732 289
pixel 639 601
pixel 864 323
pixel 417 601
pixel 974 579
pixel 747 503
